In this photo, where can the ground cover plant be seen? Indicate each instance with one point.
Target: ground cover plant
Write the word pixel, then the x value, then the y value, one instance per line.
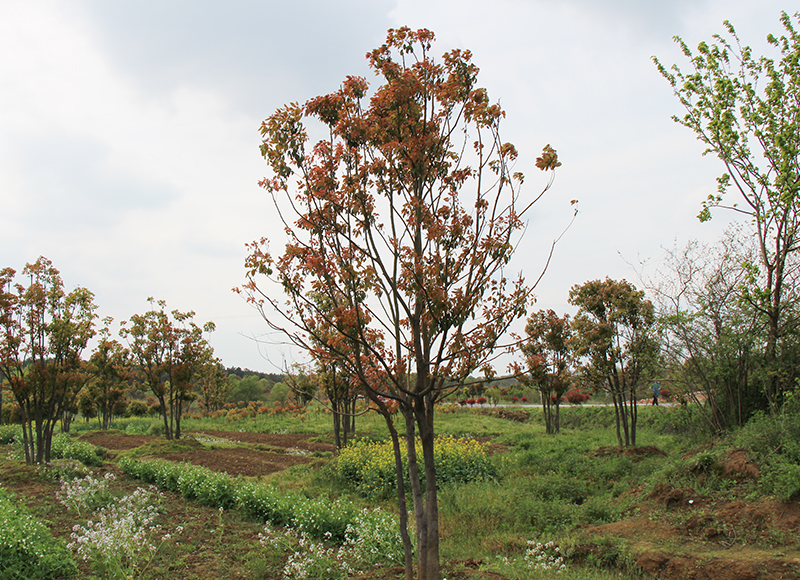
pixel 569 505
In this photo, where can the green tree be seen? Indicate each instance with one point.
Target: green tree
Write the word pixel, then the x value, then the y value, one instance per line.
pixel 714 347
pixel 279 393
pixel 614 333
pixel 214 386
pixel 746 110
pixel 249 388
pixel 405 217
pixel 43 332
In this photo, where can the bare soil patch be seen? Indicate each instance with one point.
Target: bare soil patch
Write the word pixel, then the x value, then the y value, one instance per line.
pixel 284 441
pixel 241 461
pixel 118 441
pixel 679 534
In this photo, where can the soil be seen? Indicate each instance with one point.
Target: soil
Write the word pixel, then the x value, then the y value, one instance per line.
pixel 675 533
pixel 264 453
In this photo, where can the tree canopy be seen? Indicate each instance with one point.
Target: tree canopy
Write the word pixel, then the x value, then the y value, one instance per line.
pixel 746 110
pixel 400 221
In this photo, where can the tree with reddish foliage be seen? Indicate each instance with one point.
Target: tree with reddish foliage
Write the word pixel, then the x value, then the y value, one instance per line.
pixel 43 333
pixel 403 220
pixel 169 350
pixel 108 371
pixel 548 362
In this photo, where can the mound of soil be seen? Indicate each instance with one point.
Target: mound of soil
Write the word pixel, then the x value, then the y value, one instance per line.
pixel 518 416
pixel 708 540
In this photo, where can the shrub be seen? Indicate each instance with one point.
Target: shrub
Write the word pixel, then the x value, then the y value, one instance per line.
pixel 370 466
pixel 27 549
pixel 264 503
pixel 86 493
pixel 121 537
pixel 372 539
pixel 62 470
pixel 9 433
pixel 314 517
pixel 136 409
pixel 63 447
pixel 575 397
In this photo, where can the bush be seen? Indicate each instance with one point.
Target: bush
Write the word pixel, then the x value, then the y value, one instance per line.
pixel 264 503
pixel 136 409
pixel 9 433
pixel 576 397
pixel 27 549
pixel 314 517
pixel 63 447
pixel 370 466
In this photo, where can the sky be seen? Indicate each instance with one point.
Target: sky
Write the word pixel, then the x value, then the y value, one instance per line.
pixel 129 134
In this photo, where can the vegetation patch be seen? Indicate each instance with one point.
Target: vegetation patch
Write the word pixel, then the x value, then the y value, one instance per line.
pixel 370 466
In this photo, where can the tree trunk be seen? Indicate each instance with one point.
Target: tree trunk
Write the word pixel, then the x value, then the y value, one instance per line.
pixel 431 558
pixel 408 550
pixel 336 420
pixel 167 430
pixel 557 418
pixel 416 494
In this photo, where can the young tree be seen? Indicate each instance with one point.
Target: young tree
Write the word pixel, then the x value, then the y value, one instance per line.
pixel 405 217
pixel 342 396
pixel 614 331
pixel 745 109
pixel 548 360
pixel 43 332
pixel 109 372
pixel 214 387
pixel 169 350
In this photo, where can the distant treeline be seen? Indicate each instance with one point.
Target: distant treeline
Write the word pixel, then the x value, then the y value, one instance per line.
pixel 240 373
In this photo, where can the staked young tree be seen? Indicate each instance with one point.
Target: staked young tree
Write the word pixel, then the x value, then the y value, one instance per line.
pixel 169 350
pixel 401 222
pixel 43 333
pixel 746 110
pixel 614 333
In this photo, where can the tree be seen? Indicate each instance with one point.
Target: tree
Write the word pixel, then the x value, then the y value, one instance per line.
pixel 169 350
pixel 109 373
pixel 548 360
pixel 214 386
pixel 613 331
pixel 404 219
pixel 43 332
pixel 746 110
pixel 714 337
pixel 342 396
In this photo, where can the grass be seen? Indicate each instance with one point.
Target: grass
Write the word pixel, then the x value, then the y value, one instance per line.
pixel 547 488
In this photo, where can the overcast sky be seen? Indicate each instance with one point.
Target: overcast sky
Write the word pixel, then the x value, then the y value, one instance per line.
pixel 129 133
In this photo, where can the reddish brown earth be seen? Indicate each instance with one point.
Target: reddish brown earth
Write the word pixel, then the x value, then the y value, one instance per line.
pixel 264 453
pixel 677 534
